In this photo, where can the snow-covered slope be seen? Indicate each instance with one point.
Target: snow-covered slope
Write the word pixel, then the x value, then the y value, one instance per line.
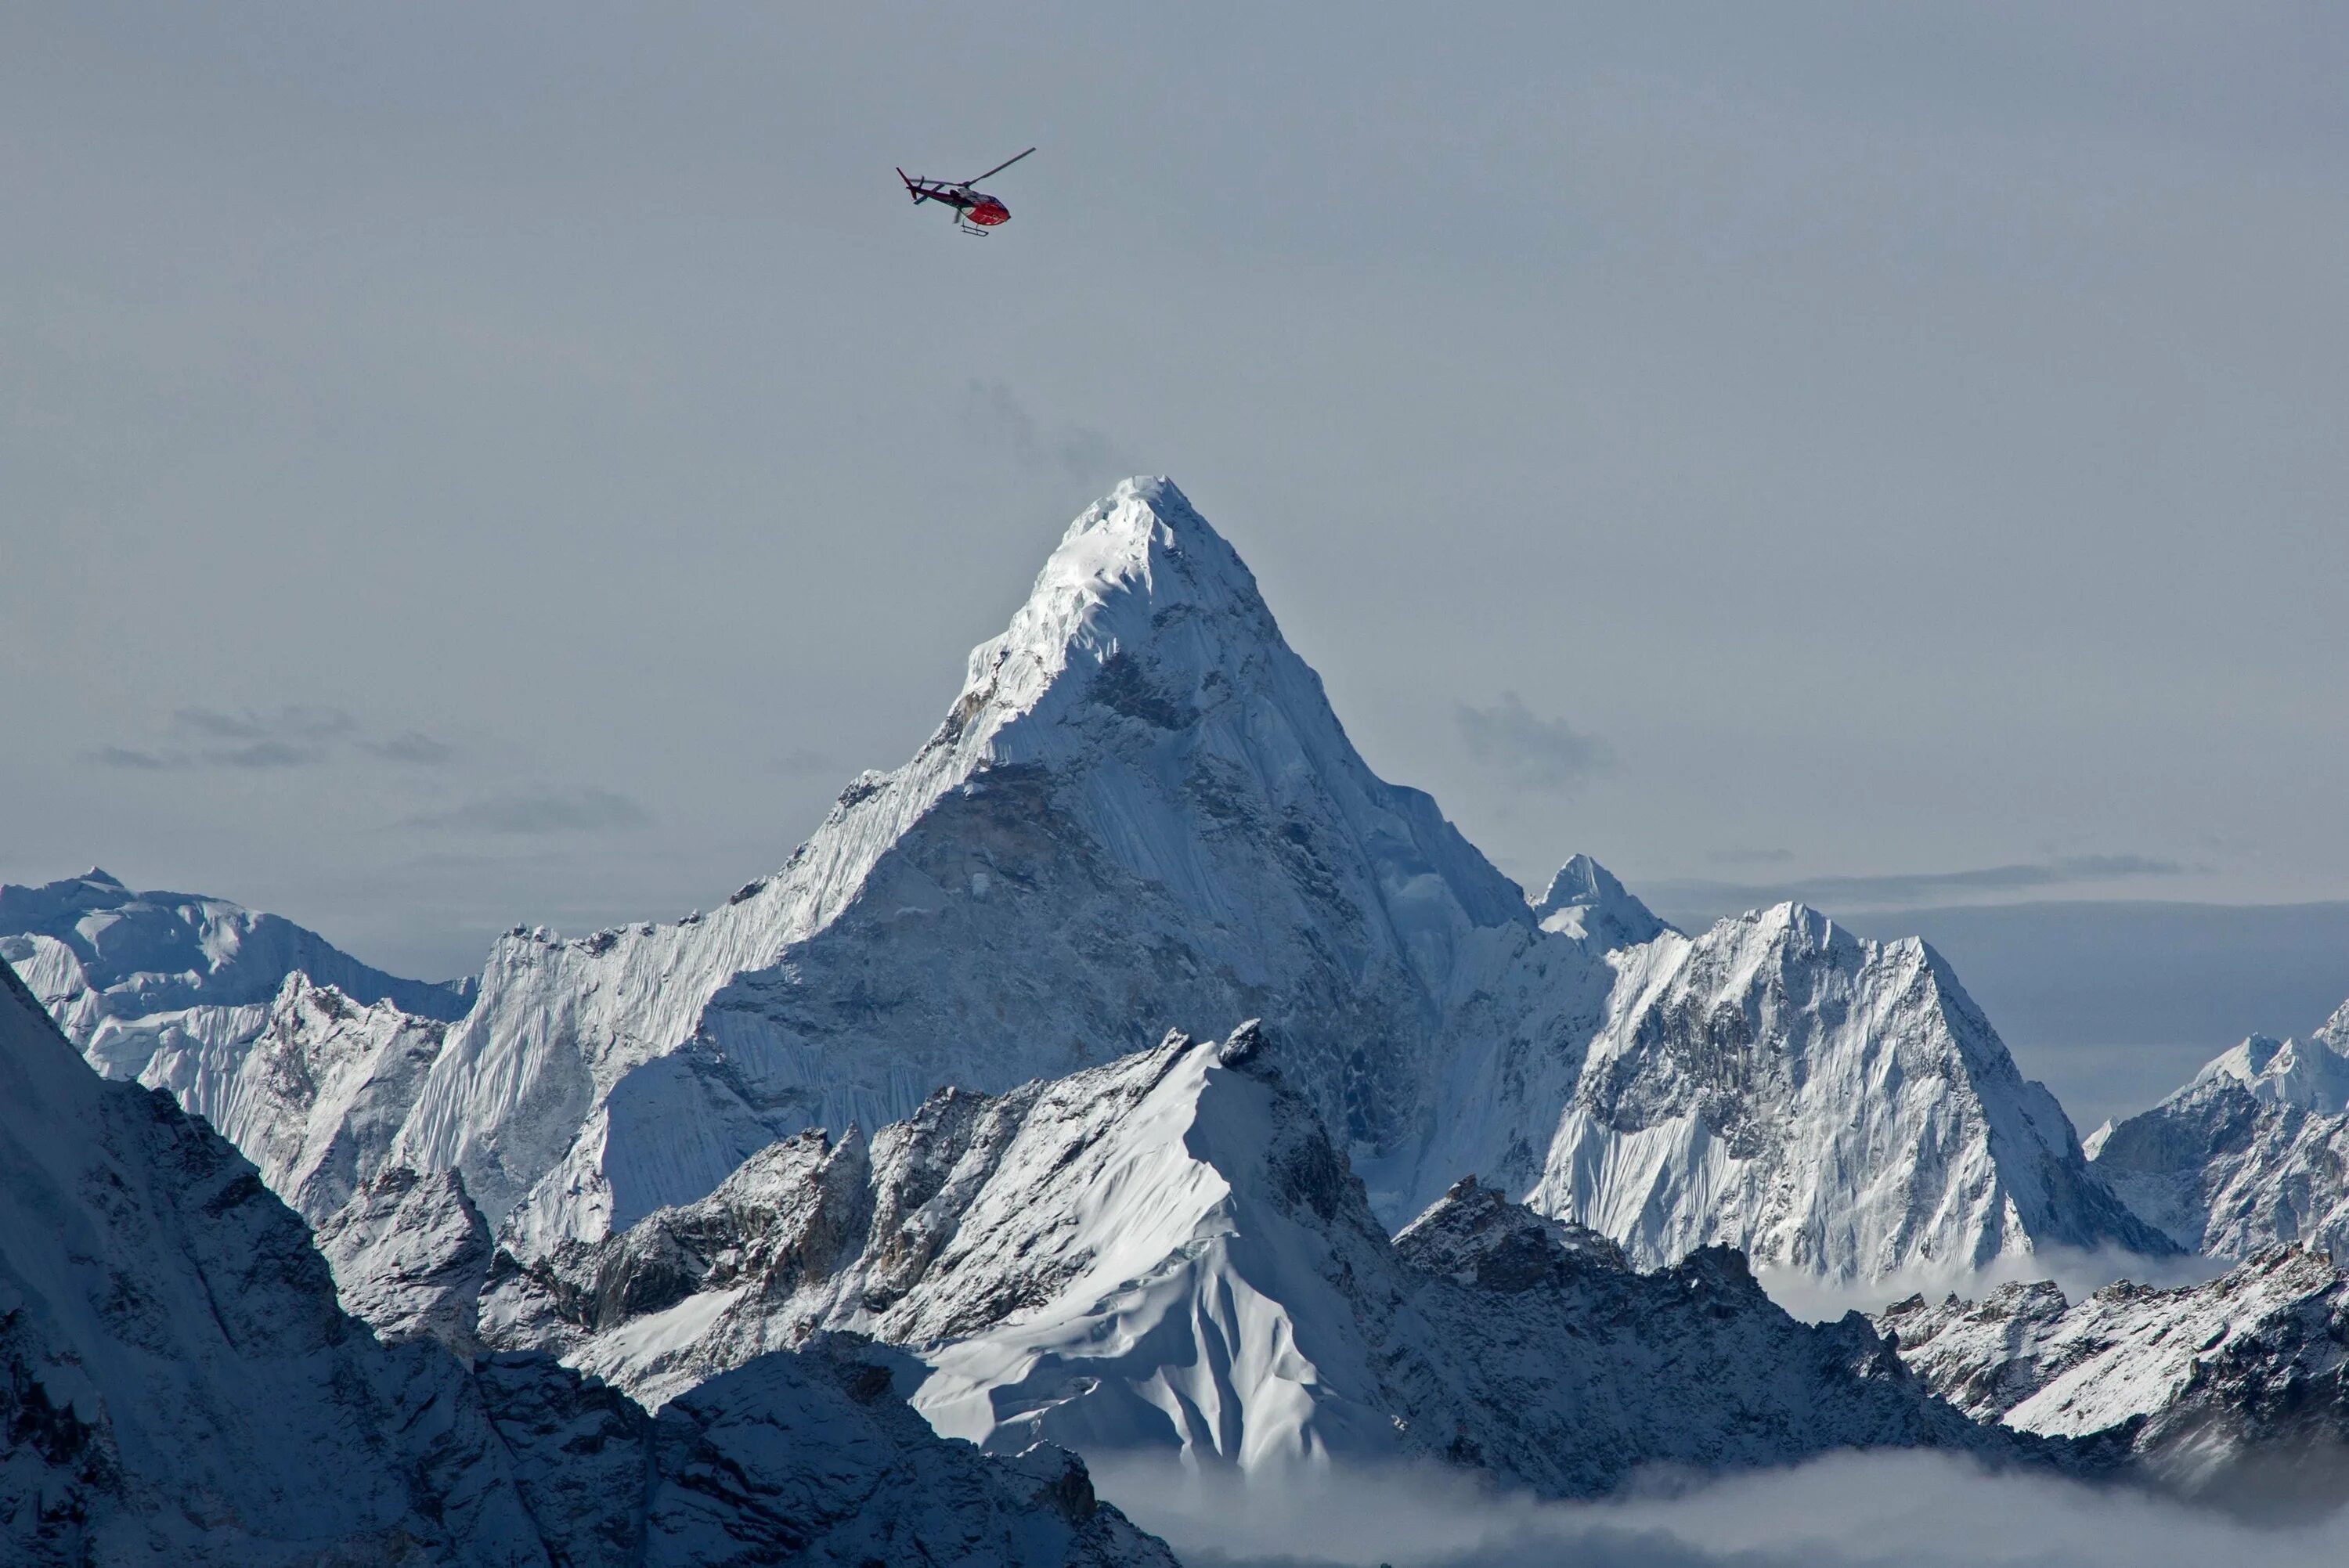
pixel 2202 1382
pixel 127 974
pixel 2253 1152
pixel 1141 813
pixel 1819 1102
pixel 178 1385
pixel 1169 1252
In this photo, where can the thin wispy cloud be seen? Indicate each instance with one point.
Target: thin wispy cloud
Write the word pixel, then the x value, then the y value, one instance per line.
pixel 994 417
pixel 290 723
pixel 265 754
pixel 585 810
pixel 1895 889
pixel 254 739
pixel 1530 751
pixel 411 746
pixel 133 757
pixel 1750 857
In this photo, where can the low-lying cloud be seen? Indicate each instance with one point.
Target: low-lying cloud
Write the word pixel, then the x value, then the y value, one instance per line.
pixel 1529 750
pixel 1877 1510
pixel 576 810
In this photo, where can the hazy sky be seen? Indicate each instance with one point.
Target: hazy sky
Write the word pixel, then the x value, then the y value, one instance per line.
pixel 463 465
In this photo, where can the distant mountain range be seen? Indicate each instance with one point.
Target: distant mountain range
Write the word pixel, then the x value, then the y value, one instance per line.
pixel 1472 1176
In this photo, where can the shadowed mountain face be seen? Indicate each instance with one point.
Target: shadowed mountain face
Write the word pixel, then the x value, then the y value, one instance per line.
pixel 176 1385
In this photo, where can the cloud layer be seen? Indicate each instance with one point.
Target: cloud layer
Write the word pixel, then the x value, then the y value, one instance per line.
pixel 1901 888
pixel 293 735
pixel 1856 1511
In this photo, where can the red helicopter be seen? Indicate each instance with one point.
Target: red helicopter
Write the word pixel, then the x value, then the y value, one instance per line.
pixel 975 211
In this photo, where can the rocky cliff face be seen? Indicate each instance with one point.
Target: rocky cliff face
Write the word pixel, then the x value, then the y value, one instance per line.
pixel 2243 1379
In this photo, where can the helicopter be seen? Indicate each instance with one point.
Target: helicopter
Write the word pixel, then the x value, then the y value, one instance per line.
pixel 975 211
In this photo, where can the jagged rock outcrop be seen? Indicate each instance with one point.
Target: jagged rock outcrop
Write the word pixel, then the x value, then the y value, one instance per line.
pixel 178 1385
pixel 2244 1377
pixel 316 1098
pixel 809 1458
pixel 1169 1251
pixel 2253 1152
pixel 410 1254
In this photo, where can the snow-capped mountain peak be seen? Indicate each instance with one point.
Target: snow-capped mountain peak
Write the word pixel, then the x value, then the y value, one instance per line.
pixel 1139 812
pixel 1135 566
pixel 1744 1077
pixel 2250 1154
pixel 1586 901
pixel 2312 1076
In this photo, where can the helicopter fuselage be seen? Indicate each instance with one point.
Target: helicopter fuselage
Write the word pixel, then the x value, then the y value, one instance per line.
pixel 975 211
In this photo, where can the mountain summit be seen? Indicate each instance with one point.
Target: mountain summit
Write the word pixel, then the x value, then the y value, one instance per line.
pixel 1140 813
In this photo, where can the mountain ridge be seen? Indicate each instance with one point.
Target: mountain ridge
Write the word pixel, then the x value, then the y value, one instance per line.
pixel 1169 1252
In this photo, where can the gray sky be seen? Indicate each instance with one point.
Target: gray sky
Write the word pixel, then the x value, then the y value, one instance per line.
pixel 462 464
